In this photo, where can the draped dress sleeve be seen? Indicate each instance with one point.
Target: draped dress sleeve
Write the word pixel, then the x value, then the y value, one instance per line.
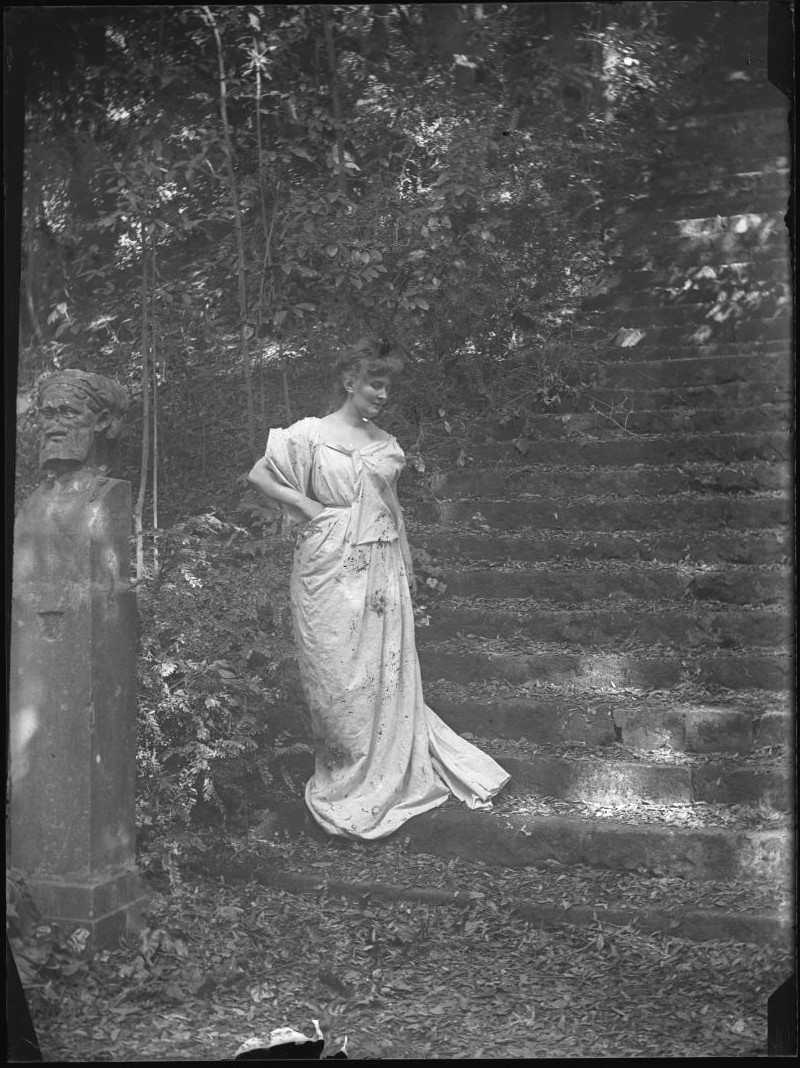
pixel 289 457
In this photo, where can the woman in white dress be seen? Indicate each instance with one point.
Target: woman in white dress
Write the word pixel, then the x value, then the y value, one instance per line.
pixel 382 756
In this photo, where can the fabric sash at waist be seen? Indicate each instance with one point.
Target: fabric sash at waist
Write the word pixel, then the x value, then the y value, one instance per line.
pixel 362 529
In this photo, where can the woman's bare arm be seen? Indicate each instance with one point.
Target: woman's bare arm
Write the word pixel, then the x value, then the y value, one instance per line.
pixel 265 482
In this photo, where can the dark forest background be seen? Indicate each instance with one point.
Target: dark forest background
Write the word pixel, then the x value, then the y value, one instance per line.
pixel 216 200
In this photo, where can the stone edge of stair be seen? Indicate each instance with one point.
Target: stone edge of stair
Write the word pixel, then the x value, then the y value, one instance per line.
pixel 513 840
pixel 696 925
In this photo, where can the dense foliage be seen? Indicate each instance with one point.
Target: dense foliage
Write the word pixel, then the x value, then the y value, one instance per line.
pixel 218 198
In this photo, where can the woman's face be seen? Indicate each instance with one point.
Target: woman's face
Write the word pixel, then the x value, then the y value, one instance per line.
pixel 369 394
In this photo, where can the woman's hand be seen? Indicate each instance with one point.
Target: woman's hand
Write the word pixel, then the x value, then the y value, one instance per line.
pixel 412 583
pixel 309 508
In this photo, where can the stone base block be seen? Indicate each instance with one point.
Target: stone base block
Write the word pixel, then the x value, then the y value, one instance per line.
pixel 107 906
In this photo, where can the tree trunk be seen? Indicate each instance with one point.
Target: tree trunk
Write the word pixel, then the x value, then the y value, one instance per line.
pixel 138 508
pixel 337 108
pixel 241 265
pixel 286 398
pixel 154 364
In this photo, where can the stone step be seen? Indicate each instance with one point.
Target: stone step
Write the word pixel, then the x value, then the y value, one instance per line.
pixel 650 723
pixel 769 311
pixel 701 298
pixel 604 420
pixel 637 372
pixel 625 449
pixel 671 283
pixel 729 197
pixel 728 136
pixel 627 398
pixel 758 226
pixel 550 897
pixel 660 546
pixel 691 172
pixel 561 481
pixel 574 585
pixel 571 584
pixel 596 626
pixel 680 171
pixel 513 837
pixel 700 126
pixel 609 515
pixel 639 250
pixel 718 99
pixel 733 395
pixel 567 774
pixel 466 661
pixel 614 346
pixel 704 288
pixel 770 196
pixel 709 330
pixel 665 196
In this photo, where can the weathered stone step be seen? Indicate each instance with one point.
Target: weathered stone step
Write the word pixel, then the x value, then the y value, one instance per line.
pixel 682 172
pixel 626 398
pixel 637 250
pixel 707 331
pixel 605 514
pixel 759 226
pixel 569 776
pixel 770 196
pixel 614 347
pixel 463 662
pixel 770 311
pixel 550 897
pixel 693 174
pixel 629 449
pixel 716 97
pixel 701 297
pixel 741 122
pixel 596 626
pixel 561 481
pixel 730 394
pixel 604 420
pixel 752 186
pixel 517 839
pixel 575 585
pixel 650 723
pixel 662 546
pixel 671 283
pixel 704 288
pixel 767 368
pixel 712 192
pixel 767 134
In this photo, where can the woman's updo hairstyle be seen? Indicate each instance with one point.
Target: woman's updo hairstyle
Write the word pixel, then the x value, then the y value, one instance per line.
pixel 369 356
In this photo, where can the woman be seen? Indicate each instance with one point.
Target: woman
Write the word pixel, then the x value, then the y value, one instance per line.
pixel 382 756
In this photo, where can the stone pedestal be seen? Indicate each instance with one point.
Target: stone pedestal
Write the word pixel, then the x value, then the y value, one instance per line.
pixel 73 704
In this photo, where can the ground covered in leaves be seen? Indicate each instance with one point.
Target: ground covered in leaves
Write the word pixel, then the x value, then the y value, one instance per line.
pixel 219 962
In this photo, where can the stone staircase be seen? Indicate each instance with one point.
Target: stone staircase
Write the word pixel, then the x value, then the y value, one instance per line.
pixel 618 624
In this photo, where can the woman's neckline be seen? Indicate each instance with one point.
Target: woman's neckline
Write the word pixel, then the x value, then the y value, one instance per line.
pixel 341 447
pixel 349 446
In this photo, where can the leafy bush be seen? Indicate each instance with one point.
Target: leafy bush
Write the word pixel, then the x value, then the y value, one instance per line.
pixel 219 707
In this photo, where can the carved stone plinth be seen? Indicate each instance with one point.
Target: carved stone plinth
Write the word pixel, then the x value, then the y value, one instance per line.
pixel 73 704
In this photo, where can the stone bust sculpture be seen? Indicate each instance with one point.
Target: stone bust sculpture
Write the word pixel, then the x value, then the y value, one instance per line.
pixel 73 664
pixel 81 418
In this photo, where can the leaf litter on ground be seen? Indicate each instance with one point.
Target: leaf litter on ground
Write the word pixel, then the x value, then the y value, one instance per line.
pixel 219 962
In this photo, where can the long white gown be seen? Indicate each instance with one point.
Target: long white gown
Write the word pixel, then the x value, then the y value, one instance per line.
pixel 382 756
